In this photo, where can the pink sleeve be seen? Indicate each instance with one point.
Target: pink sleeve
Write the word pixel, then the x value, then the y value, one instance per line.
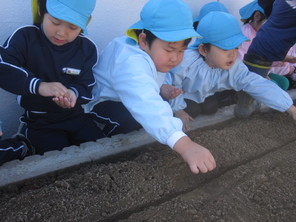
pixel 250 33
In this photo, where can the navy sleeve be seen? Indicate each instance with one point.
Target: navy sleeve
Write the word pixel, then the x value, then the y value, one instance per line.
pixel 16 80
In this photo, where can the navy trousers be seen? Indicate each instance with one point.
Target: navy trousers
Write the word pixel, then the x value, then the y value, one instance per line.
pixel 47 133
pixel 115 118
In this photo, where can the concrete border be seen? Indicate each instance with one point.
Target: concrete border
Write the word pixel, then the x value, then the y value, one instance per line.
pixel 33 166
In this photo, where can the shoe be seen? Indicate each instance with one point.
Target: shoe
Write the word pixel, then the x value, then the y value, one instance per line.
pixel 246 105
pixel 29 149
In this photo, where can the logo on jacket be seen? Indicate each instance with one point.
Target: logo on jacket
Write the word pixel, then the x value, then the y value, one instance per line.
pixel 71 71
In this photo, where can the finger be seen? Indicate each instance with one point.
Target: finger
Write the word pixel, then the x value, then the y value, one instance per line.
pixel 187 126
pixel 72 104
pixel 210 165
pixel 202 167
pixel 213 161
pixel 194 169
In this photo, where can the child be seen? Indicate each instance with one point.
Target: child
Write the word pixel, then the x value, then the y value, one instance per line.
pixel 272 43
pixel 212 65
pixel 212 103
pixel 129 75
pixel 253 17
pixel 18 147
pixel 209 7
pixel 56 51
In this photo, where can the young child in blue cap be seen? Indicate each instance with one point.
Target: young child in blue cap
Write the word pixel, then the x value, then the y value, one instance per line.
pixel 212 103
pixel 209 7
pixel 131 71
pixel 212 65
pixel 56 51
pixel 18 81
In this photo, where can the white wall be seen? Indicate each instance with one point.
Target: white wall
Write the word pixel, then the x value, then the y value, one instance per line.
pixel 110 19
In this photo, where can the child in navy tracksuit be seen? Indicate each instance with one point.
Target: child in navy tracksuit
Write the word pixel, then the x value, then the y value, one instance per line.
pixel 56 51
pixel 18 81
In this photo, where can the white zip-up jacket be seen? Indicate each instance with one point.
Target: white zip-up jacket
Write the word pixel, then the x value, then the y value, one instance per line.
pixel 198 81
pixel 126 73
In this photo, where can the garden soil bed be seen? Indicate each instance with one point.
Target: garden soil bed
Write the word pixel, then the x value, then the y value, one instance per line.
pixel 255 180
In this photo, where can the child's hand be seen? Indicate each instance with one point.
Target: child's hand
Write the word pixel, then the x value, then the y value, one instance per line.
pixel 198 157
pixel 292 111
pixel 185 117
pixel 66 101
pixel 168 92
pixel 52 89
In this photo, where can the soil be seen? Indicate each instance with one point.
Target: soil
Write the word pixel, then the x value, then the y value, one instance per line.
pixel 255 180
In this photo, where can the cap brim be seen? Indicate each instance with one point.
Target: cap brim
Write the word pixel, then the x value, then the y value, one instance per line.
pixel 178 35
pixel 168 36
pixel 230 43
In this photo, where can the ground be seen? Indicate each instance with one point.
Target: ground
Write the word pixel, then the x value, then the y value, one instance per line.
pixel 255 180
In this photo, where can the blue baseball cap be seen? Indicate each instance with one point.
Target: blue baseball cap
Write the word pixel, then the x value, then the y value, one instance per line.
pixel 210 7
pixel 168 20
pixel 76 12
pixel 247 11
pixel 220 29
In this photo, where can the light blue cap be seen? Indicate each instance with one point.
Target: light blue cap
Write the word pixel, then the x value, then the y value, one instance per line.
pixel 210 7
pixel 168 20
pixel 220 29
pixel 76 12
pixel 247 11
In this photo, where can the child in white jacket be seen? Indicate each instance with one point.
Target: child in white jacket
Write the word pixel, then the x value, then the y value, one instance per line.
pixel 130 72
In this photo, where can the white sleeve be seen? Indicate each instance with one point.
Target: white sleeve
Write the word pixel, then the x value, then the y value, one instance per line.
pixel 261 89
pixel 138 90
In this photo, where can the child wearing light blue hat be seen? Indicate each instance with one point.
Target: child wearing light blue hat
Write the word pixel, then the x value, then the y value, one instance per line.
pixel 227 97
pixel 131 71
pixel 211 65
pixel 209 7
pixel 252 15
pixel 56 51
